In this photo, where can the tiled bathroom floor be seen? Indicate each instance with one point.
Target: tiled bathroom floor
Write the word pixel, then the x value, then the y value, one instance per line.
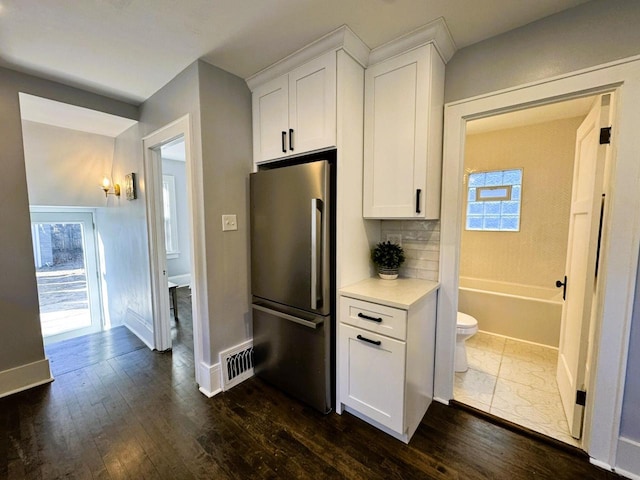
pixel 515 381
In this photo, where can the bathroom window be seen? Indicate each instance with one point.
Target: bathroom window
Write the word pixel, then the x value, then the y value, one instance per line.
pixel 493 200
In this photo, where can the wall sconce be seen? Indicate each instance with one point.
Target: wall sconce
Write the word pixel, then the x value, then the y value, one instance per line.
pixel 106 186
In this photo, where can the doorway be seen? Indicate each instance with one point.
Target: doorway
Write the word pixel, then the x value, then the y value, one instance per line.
pixel 522 174
pixel 617 268
pixel 176 136
pixel 67 274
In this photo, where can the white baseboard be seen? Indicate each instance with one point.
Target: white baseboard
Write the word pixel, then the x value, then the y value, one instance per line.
pixel 628 458
pixel 139 328
pixel 210 384
pixel 24 377
pixel 441 400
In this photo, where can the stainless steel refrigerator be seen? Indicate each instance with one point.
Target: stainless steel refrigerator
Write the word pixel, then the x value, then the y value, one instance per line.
pixel 291 280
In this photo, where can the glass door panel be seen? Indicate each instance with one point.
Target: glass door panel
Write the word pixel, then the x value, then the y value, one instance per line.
pixel 66 274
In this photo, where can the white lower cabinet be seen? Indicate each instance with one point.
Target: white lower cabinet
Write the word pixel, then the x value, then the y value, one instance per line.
pixel 373 375
pixel 386 354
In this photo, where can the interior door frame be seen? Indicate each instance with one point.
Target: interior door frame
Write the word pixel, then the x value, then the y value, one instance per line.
pixel 157 252
pixel 621 234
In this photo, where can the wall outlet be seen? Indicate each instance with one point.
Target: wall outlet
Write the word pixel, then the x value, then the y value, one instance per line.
pixel 395 238
pixel 229 222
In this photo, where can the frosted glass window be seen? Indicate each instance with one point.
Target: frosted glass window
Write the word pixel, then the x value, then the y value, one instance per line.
pixel 493 200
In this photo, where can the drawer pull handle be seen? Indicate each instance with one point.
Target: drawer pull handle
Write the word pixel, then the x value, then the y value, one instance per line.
pixel 364 339
pixel 367 317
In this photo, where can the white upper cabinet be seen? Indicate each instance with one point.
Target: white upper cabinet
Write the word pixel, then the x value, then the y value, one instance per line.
pixel 296 112
pixel 312 105
pixel 270 119
pixel 403 135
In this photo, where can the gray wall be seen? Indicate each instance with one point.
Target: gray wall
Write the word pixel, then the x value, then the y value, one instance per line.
pixel 20 336
pixel 591 34
pixel 123 240
pixel 220 108
pixel 64 167
pixel 225 106
pixel 630 427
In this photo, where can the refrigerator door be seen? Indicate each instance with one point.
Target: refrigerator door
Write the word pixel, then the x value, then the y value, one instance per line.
pixel 291 350
pixel 290 236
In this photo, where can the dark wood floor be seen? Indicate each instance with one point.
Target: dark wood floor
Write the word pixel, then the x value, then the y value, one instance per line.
pixel 138 414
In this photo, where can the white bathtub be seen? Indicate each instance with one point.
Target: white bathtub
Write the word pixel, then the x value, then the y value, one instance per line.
pixel 517 311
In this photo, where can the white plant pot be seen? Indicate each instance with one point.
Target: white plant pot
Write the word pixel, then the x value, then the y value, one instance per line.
pixel 388 273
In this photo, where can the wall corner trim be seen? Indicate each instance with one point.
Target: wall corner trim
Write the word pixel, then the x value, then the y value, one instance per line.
pixel 209 379
pixel 25 377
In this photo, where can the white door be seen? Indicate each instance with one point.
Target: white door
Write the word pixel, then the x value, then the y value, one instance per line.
pixel 271 120
pixel 586 197
pixel 396 123
pixel 372 375
pixel 67 274
pixel 312 105
pixel 161 327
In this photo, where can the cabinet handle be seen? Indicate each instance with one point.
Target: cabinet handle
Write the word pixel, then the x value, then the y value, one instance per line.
pixel 284 142
pixel 368 340
pixel 418 192
pixel 291 139
pixel 367 317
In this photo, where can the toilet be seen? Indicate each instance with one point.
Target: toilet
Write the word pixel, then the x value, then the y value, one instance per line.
pixel 466 327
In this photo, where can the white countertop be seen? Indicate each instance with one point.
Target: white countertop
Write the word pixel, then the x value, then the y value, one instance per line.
pixel 399 293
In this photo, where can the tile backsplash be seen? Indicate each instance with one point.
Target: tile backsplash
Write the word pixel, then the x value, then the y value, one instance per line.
pixel 421 243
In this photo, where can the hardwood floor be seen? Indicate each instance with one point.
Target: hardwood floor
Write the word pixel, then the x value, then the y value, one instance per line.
pixel 133 413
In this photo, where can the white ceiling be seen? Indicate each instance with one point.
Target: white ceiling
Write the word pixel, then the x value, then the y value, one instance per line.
pixel 174 150
pixel 43 110
pixel 578 107
pixel 128 49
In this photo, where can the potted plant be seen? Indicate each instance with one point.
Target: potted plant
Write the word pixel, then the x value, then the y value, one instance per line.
pixel 387 257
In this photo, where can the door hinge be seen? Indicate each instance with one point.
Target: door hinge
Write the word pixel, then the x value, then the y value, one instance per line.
pixel 581 397
pixel 605 136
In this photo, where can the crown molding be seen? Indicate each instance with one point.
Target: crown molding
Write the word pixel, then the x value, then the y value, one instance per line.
pixel 341 38
pixel 435 32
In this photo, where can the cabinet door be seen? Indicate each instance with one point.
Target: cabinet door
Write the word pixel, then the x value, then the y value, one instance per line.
pixel 312 105
pixel 270 120
pixel 372 376
pixel 395 148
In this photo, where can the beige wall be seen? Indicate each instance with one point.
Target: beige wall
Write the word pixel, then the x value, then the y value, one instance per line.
pixel 536 254
pixel 65 167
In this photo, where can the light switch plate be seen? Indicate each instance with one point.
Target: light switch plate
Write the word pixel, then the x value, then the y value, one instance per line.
pixel 229 222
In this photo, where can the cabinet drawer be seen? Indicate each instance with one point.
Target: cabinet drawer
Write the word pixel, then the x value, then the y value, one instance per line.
pixel 388 321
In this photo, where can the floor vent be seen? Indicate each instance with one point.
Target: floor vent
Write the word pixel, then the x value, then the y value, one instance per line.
pixel 237 364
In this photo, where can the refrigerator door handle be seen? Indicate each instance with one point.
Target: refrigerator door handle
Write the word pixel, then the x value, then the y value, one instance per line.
pixel 286 316
pixel 316 227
